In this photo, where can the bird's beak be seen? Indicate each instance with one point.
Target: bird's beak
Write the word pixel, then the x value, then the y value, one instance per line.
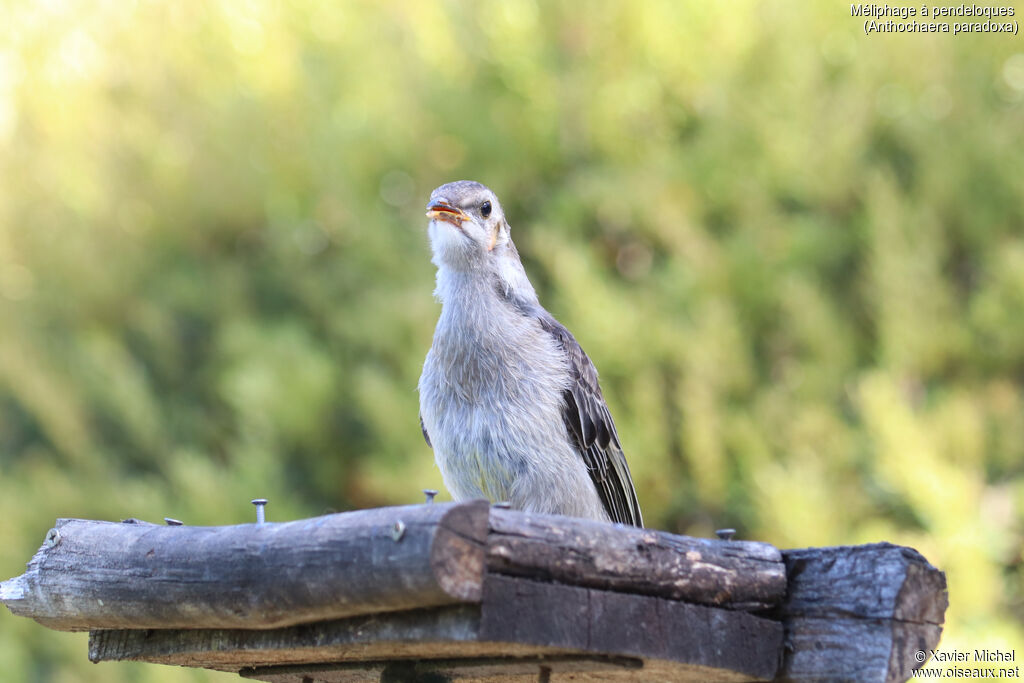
pixel 443 211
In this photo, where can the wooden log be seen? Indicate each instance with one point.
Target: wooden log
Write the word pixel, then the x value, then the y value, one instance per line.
pixel 529 669
pixel 607 598
pixel 449 631
pixel 90 575
pixel 737 574
pixel 93 575
pixel 859 614
pixel 604 632
pixel 721 644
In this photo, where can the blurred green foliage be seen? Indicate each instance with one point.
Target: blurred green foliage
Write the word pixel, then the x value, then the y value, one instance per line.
pixel 794 252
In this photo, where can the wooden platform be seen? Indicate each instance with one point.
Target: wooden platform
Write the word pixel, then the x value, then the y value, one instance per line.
pixel 468 592
pixel 518 626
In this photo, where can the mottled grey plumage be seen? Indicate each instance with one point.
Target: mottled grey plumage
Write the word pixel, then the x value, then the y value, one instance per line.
pixel 508 400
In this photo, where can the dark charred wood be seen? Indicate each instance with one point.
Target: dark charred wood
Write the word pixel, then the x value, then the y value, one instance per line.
pixel 860 614
pixel 723 642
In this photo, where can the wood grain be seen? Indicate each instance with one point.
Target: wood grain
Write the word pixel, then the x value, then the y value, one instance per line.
pixel 615 633
pixel 256 576
pixel 737 574
pixel 858 614
pixel 468 592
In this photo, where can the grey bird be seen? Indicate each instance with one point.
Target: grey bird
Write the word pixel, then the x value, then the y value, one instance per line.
pixel 508 400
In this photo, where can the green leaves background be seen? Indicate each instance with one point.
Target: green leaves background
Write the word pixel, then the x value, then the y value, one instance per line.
pixel 795 254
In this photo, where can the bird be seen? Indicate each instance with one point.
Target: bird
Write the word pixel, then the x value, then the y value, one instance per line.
pixel 509 401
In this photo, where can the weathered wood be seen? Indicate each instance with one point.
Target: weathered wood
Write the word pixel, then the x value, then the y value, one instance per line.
pixel 91 575
pixel 106 575
pixel 503 669
pixel 516 618
pixel 736 574
pixel 859 614
pixel 370 594
pixel 448 631
pixel 724 644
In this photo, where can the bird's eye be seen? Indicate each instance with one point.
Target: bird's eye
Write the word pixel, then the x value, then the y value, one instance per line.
pixel 485 209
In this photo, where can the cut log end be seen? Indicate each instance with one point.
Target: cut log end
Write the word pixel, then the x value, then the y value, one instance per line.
pixel 860 614
pixel 458 553
pixel 12 590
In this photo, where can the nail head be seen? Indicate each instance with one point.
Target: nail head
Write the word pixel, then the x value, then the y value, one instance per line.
pixel 260 503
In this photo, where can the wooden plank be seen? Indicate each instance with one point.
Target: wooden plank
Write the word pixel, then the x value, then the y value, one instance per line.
pixel 859 614
pixel 517 618
pixel 721 644
pixel 575 667
pixel 737 574
pixel 450 631
pixel 92 575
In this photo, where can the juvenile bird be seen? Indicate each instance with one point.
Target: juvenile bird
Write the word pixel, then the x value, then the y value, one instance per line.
pixel 508 400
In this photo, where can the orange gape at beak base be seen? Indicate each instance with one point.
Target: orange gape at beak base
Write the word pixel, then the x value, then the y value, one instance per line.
pixel 447 213
pixel 450 214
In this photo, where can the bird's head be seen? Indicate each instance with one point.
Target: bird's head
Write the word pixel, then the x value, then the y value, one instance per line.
pixel 468 229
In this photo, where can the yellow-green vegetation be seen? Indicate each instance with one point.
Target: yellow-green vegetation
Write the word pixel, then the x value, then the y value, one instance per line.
pixel 796 254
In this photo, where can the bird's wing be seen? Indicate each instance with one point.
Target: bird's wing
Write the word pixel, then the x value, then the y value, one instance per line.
pixel 590 424
pixel 423 428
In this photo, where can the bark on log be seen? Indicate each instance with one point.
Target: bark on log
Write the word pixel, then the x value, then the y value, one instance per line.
pixel 607 598
pixel 740 575
pixel 859 614
pixel 516 619
pixel 91 575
